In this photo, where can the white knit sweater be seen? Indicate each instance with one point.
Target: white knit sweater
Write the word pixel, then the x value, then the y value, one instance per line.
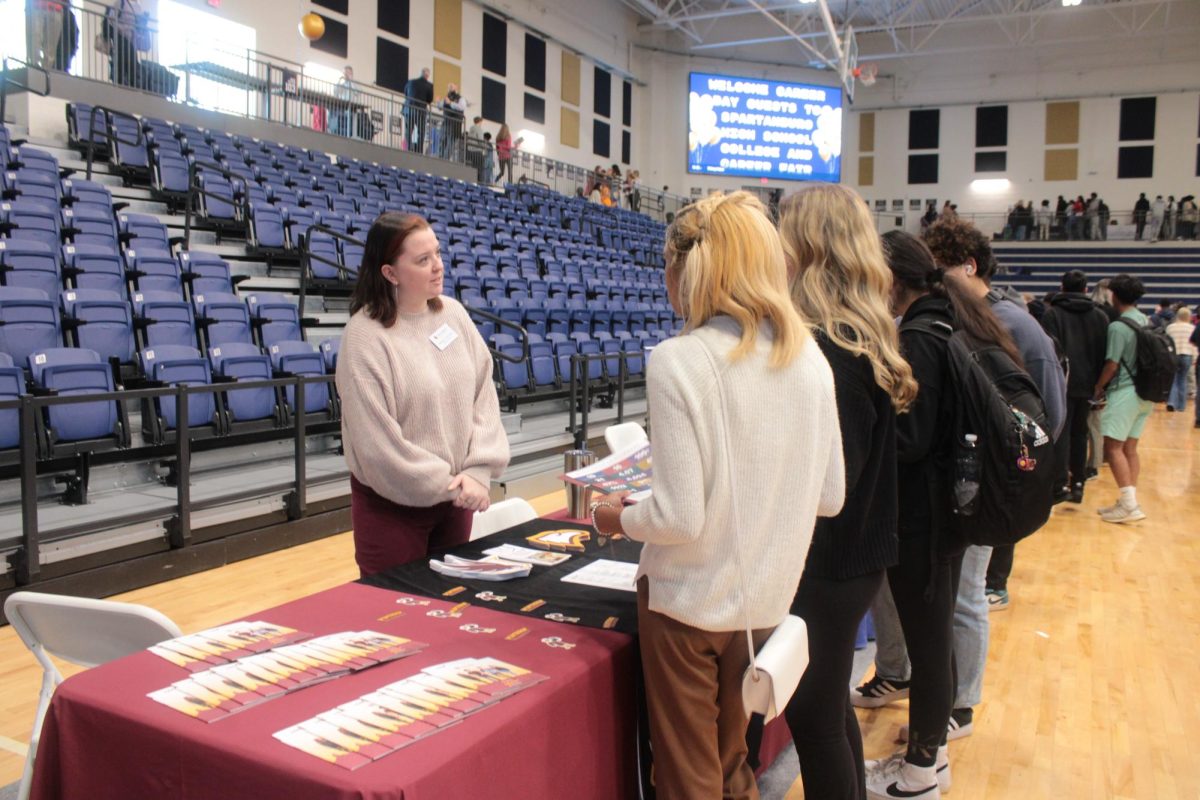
pixel 785 452
pixel 414 416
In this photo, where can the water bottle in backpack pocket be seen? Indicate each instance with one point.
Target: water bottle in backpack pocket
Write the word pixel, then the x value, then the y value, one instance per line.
pixel 966 477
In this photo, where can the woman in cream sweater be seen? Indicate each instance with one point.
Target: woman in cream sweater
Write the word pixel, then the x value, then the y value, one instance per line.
pixel 738 485
pixel 420 419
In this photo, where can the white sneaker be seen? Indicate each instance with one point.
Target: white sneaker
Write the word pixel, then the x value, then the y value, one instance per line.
pixel 1121 514
pixel 1108 509
pixel 943 768
pixel 893 777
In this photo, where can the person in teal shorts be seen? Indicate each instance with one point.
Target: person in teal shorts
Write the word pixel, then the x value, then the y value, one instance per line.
pixel 1124 415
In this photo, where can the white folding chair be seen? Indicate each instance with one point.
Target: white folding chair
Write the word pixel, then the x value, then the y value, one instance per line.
pixel 501 515
pixel 618 437
pixel 82 631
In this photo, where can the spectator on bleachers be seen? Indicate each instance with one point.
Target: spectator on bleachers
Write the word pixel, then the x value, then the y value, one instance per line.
pixel 1042 218
pixel 1091 215
pixel 118 30
pixel 504 152
pixel 1181 332
pixel 1140 209
pixel 1105 216
pixel 1081 329
pixel 1189 216
pixel 925 580
pixel 343 116
pixel 1158 210
pixel 476 129
pixel 489 160
pixel 419 94
pixel 454 108
pixel 420 417
pixel 840 284
pixel 1170 219
pixel 1125 414
pixel 744 409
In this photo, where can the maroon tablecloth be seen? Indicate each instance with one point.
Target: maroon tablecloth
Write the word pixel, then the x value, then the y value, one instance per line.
pixel 569 737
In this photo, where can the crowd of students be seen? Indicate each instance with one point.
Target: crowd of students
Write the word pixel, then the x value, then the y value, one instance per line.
pixel 808 459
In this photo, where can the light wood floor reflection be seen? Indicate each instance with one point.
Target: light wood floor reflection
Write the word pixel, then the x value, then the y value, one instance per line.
pixel 1089 690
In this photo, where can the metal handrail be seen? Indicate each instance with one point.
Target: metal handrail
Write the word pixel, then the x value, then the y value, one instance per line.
pixel 306 256
pixel 522 334
pixel 110 136
pixel 7 81
pixel 194 189
pixel 27 563
pixel 579 362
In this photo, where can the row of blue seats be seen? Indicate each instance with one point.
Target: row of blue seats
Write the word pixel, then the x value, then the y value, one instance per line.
pixel 102 321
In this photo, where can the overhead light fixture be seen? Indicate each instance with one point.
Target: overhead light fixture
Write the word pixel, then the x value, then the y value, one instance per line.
pixel 990 185
pixel 1069 3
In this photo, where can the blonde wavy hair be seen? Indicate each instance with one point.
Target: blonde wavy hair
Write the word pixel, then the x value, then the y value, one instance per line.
pixel 729 260
pixel 840 281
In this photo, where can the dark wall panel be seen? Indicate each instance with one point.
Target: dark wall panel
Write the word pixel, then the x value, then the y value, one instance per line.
pixel 600 138
pixel 491 105
pixel 334 40
pixel 535 62
pixel 991 126
pixel 535 108
pixel 923 129
pixel 603 91
pixel 923 168
pixel 391 64
pixel 626 146
pixel 995 161
pixel 393 17
pixel 1136 162
pixel 495 45
pixel 626 103
pixel 1137 118
pixel 339 6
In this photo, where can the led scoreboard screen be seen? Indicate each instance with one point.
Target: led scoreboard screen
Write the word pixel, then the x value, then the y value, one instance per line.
pixel 764 129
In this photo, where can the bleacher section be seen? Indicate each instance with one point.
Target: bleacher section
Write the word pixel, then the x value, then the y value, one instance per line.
pixel 101 294
pixel 1169 270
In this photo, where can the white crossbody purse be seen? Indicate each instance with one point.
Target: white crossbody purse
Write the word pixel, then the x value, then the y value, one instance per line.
pixel 775 670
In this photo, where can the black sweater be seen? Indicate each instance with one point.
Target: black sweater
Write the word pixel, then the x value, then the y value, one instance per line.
pixel 862 538
pixel 1082 330
pixel 924 445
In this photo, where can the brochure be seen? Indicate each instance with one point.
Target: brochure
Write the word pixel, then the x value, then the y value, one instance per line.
pixel 606 574
pixel 223 644
pixel 398 714
pixel 485 569
pixel 225 689
pixel 524 555
pixel 630 469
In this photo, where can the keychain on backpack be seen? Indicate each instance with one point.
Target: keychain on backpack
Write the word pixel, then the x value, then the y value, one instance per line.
pixel 1026 463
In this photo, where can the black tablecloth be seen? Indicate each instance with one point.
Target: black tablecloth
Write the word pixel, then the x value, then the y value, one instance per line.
pixel 572 603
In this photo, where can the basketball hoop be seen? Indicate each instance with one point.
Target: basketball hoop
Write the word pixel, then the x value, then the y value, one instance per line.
pixel 866 74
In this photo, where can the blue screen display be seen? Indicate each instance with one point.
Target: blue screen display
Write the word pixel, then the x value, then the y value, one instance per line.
pixel 755 128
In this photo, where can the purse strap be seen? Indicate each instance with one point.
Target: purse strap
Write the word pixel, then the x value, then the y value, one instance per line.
pixel 733 507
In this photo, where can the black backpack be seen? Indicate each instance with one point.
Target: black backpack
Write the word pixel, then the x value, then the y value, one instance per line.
pixel 1156 363
pixel 999 403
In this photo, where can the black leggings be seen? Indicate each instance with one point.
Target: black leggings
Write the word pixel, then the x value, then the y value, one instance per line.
pixel 819 715
pixel 1076 433
pixel 928 631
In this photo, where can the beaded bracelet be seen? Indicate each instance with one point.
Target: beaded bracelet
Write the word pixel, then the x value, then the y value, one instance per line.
pixel 603 537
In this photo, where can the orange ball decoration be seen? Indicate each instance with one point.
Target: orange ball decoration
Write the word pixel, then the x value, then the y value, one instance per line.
pixel 312 27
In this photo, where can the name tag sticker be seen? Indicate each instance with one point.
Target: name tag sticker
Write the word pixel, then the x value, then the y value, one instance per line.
pixel 443 337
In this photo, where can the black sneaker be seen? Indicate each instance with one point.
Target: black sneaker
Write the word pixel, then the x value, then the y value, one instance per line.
pixel 879 692
pixel 1061 493
pixel 1094 473
pixel 1076 494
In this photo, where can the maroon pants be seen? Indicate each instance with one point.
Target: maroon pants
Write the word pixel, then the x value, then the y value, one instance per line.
pixel 387 534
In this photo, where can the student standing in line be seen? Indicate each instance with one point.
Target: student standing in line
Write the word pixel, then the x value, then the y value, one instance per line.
pixel 926 579
pixel 420 419
pixel 1181 331
pixel 747 454
pixel 1125 414
pixel 841 286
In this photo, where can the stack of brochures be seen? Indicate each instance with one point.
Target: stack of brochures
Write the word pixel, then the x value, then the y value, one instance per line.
pixel 485 569
pixel 394 716
pixel 221 645
pixel 219 691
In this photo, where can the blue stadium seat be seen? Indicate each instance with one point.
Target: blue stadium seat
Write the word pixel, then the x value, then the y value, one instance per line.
pixel 223 318
pixel 300 358
pixel 329 352
pixel 153 271
pixel 176 365
pixel 164 318
pixel 266 229
pixel 12 387
pixel 75 371
pixel 30 221
pixel 29 322
pixel 144 233
pixel 207 272
pixel 88 224
pixel 276 317
pixel 33 186
pixel 100 321
pixel 245 362
pixel 30 264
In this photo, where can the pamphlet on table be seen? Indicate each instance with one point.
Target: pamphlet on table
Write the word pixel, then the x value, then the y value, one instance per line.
pixel 606 574
pixel 225 644
pixel 225 689
pixel 394 716
pixel 491 568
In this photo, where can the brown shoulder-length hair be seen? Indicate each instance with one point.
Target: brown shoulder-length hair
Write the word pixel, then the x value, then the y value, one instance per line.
pixel 373 294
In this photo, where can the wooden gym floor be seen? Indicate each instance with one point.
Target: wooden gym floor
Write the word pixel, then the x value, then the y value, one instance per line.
pixel 1090 675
